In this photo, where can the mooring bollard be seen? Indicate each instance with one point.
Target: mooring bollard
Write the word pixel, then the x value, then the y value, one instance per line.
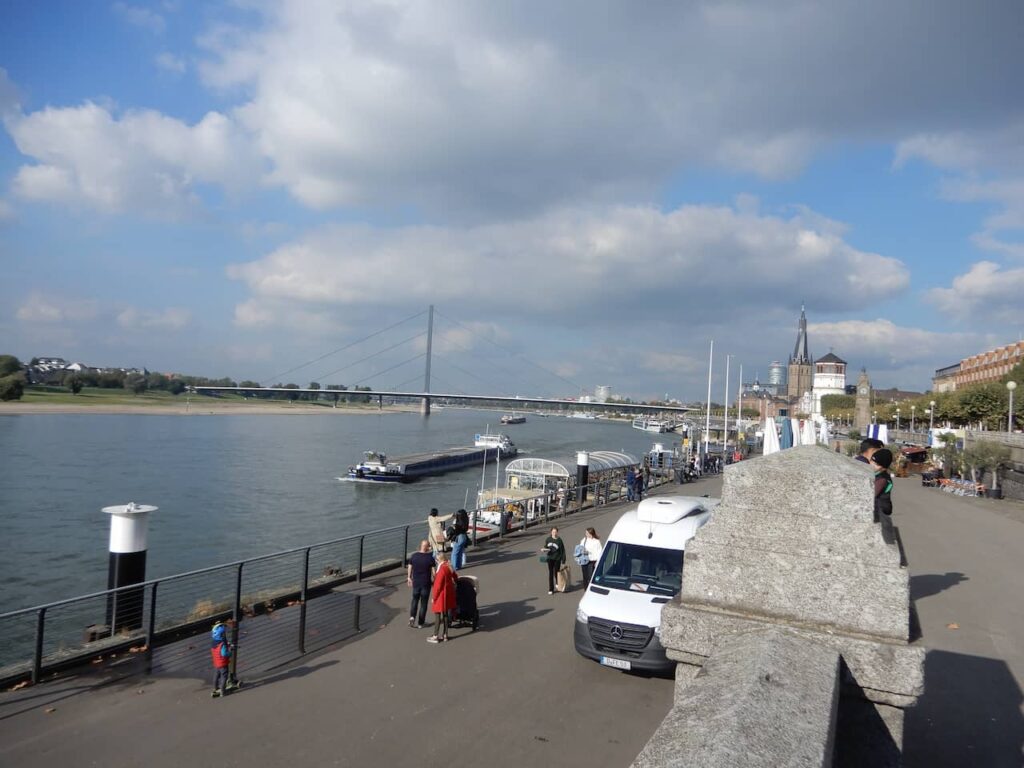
pixel 127 564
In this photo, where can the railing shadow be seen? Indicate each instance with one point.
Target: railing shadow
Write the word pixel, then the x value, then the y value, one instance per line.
pixel 970 714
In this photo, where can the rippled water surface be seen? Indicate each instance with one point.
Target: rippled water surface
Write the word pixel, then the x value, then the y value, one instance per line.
pixel 228 486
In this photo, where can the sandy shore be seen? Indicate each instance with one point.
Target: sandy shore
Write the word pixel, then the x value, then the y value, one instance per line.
pixel 202 407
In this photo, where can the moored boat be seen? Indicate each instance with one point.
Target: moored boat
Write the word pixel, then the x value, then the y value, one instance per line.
pixel 513 418
pixel 648 424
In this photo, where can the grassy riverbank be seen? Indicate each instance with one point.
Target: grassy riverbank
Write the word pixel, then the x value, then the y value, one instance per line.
pixel 89 400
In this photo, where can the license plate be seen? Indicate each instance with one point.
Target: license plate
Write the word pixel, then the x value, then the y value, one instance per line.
pixel 608 661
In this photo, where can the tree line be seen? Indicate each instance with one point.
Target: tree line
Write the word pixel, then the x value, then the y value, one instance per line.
pixel 986 404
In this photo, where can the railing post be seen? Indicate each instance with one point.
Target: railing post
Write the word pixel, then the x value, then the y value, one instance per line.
pixel 472 525
pixel 236 616
pixel 302 602
pixel 359 605
pixel 37 657
pixel 151 627
pixel 405 548
pixel 359 566
pixel 547 507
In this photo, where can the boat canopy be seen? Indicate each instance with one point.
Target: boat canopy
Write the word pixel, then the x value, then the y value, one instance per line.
pixel 534 472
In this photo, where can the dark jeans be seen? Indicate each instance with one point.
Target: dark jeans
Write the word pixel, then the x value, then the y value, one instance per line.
pixel 420 600
pixel 588 572
pixel 220 679
pixel 553 566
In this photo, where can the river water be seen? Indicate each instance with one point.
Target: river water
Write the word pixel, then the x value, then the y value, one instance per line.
pixel 230 486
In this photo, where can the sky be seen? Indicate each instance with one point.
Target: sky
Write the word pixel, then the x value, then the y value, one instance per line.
pixel 588 192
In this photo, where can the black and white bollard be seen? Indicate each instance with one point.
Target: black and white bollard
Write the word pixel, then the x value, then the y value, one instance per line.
pixel 582 475
pixel 128 526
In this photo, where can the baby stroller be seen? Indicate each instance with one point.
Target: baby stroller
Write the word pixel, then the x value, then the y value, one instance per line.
pixel 466 613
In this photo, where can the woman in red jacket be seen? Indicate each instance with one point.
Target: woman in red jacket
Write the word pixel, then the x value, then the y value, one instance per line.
pixel 442 595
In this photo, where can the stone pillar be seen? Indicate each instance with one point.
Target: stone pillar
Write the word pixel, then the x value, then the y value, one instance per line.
pixel 794 545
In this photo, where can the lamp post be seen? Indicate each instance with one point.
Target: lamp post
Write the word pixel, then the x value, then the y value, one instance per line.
pixel 1010 386
pixel 897 419
pixel 913 414
pixel 874 416
pixel 931 415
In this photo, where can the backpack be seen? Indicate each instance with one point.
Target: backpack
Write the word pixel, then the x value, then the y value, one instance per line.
pixel 580 555
pixel 450 533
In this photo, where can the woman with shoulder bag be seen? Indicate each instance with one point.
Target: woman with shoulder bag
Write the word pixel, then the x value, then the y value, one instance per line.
pixel 592 548
pixel 442 595
pixel 554 554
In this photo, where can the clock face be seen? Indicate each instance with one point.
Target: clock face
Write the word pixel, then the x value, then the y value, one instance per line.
pixel 863 390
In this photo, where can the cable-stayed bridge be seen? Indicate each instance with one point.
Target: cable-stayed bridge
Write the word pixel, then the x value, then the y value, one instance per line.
pixel 423 346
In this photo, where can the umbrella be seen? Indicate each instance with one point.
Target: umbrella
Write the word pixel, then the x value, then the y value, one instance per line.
pixel 771 438
pixel 808 437
pixel 786 438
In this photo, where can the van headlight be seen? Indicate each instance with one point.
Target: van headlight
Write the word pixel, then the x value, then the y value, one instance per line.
pixel 657 631
pixel 581 617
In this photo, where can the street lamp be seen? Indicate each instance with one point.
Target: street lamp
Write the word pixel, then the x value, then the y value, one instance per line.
pixel 1010 385
pixel 931 415
pixel 874 415
pixel 913 413
pixel 897 419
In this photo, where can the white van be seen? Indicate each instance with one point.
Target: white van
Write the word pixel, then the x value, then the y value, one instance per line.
pixel 618 621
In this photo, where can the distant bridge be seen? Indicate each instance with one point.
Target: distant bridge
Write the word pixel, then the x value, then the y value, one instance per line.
pixel 426 397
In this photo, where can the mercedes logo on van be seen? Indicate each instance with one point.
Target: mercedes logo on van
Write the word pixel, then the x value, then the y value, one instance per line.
pixel 616 632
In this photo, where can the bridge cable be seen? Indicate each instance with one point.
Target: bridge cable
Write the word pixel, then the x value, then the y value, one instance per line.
pixel 500 368
pixel 375 354
pixel 469 373
pixel 342 349
pixel 386 370
pixel 576 385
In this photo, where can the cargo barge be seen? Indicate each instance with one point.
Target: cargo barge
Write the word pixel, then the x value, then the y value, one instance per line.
pixel 380 468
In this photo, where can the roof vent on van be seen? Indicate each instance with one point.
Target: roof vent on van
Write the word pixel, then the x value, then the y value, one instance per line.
pixel 668 510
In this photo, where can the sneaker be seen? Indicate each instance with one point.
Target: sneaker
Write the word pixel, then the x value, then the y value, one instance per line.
pixel 216 694
pixel 551 593
pixel 420 626
pixel 412 621
pixel 433 639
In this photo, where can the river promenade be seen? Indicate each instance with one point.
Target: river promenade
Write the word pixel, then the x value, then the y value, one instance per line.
pixel 515 693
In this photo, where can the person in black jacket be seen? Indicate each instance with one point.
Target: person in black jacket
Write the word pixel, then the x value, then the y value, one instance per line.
pixel 554 549
pixel 881 460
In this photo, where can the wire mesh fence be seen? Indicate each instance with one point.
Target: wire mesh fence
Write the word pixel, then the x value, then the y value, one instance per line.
pixel 284 604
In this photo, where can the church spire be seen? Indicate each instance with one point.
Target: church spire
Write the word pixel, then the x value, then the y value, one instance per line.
pixel 800 353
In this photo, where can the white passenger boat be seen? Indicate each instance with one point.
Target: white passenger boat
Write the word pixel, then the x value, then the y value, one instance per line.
pixel 589 415
pixel 647 424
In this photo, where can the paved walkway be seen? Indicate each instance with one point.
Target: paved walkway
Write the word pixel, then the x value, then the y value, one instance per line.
pixel 516 694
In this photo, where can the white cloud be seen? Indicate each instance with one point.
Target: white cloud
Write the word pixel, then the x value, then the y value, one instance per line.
pixel 141 17
pixel 989 168
pixel 987 293
pixel 138 161
pixel 170 319
pixel 574 264
pixel 168 62
pixel 882 340
pixel 43 309
pixel 7 212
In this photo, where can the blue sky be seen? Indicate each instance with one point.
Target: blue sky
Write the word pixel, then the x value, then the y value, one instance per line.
pixel 235 189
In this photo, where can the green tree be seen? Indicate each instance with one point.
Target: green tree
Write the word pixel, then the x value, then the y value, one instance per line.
pixel 9 365
pixel 176 386
pixel 12 387
pixel 73 382
pixel 135 383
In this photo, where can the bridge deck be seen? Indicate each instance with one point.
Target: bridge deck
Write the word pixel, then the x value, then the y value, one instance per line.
pixel 515 693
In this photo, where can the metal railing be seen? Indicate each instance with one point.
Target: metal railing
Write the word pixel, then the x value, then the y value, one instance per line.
pixel 284 604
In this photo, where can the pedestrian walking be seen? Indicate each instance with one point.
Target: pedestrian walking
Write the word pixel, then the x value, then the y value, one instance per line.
pixel 638 486
pixel 592 548
pixel 442 596
pixel 420 578
pixel 630 485
pixel 554 556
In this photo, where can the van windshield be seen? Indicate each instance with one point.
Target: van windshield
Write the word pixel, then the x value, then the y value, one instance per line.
pixel 640 569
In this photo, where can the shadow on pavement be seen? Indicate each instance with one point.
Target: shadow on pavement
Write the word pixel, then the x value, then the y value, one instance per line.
pixel 499 615
pixel 926 584
pixel 970 714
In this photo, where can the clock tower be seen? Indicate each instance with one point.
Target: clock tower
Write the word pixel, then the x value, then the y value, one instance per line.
pixel 862 419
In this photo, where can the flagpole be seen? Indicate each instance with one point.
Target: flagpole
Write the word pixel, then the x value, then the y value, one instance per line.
pixel 725 411
pixel 707 406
